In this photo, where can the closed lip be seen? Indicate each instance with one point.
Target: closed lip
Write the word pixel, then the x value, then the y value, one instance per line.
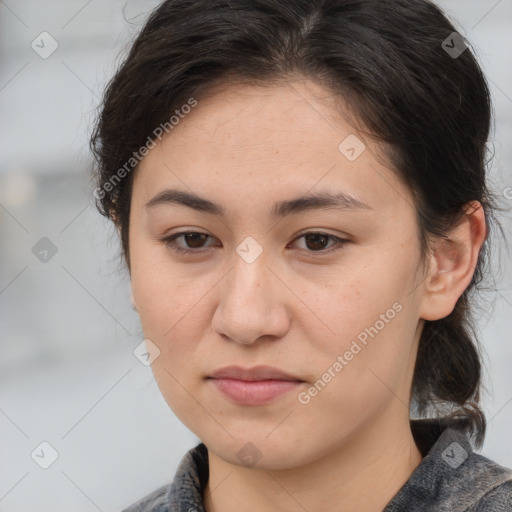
pixel 253 374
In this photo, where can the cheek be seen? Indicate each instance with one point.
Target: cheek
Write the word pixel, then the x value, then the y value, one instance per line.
pixel 362 374
pixel 371 351
pixel 355 304
pixel 156 287
pixel 171 305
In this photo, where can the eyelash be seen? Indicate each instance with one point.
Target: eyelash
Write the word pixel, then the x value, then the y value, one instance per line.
pixel 169 242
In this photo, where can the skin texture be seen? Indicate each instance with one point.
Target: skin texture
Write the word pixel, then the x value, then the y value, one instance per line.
pixel 298 306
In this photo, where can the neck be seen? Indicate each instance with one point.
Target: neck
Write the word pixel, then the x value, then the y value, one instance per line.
pixel 363 473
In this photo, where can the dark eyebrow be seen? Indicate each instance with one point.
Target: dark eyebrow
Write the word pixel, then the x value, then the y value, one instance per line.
pixel 315 201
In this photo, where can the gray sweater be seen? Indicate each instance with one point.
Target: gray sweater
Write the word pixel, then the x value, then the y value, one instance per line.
pixel 450 478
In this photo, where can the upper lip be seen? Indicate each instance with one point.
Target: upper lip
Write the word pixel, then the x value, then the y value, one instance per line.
pixel 252 374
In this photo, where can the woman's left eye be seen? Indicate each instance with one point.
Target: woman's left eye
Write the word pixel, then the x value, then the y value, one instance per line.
pixel 312 239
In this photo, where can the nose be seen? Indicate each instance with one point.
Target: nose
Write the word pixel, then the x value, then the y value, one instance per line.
pixel 252 303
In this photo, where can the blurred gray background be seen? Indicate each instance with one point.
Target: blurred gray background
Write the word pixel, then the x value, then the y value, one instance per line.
pixel 68 375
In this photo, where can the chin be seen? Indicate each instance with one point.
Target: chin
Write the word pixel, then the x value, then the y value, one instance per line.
pixel 262 452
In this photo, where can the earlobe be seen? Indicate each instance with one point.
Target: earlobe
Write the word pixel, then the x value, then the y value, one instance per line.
pixel 453 261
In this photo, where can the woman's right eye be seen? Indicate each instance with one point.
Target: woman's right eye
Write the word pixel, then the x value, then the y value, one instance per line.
pixel 190 237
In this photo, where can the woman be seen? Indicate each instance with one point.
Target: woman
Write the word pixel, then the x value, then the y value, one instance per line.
pixel 300 191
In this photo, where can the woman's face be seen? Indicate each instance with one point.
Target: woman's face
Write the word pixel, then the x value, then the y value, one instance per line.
pixel 343 318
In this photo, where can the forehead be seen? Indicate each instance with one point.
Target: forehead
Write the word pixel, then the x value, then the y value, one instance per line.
pixel 247 142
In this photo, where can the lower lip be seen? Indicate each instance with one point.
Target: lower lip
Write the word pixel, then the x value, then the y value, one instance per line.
pixel 255 392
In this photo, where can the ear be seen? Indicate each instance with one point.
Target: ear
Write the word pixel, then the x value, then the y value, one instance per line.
pixel 452 264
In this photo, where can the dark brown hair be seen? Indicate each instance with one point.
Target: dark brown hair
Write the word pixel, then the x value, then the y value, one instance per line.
pixel 424 98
